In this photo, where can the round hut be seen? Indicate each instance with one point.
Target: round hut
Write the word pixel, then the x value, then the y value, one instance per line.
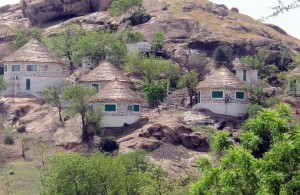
pixel 104 73
pixel 222 92
pixel 244 72
pixel 32 68
pixel 120 104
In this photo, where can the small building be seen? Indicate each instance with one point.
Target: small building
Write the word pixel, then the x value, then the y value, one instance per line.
pixel 143 47
pixel 244 72
pixel 32 68
pixel 120 104
pixel 104 73
pixel 222 92
pixel 293 86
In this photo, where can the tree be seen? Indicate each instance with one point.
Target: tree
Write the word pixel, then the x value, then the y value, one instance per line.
pixel 22 37
pixel 190 81
pixel 158 41
pixel 151 68
pixel 222 141
pixel 155 93
pixel 2 83
pixel 99 46
pixel 282 7
pixel 120 7
pixel 98 173
pixel 63 44
pixel 78 97
pixel 128 35
pixel 51 95
pixel 223 55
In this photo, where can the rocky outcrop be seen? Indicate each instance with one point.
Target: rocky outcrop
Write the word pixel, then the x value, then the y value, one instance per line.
pixel 40 11
pixel 196 141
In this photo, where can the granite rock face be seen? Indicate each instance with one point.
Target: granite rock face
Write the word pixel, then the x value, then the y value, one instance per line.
pixel 40 11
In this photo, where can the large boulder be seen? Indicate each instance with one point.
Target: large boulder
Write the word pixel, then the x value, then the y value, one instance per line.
pixel 195 141
pixel 40 11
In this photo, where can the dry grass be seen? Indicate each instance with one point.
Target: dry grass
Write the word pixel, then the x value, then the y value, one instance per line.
pixel 214 23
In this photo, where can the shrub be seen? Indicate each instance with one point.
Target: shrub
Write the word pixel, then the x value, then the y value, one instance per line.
pixel 9 140
pixel 108 144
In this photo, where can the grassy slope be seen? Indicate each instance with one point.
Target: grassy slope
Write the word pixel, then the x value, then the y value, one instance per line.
pixel 214 23
pixel 24 181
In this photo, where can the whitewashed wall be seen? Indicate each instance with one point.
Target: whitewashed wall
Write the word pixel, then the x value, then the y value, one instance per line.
pixel 123 115
pixel 251 76
pixel 47 75
pixel 236 107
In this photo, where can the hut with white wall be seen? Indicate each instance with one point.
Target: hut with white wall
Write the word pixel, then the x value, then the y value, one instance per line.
pixel 143 47
pixel 223 93
pixel 244 72
pixel 104 73
pixel 32 68
pixel 120 104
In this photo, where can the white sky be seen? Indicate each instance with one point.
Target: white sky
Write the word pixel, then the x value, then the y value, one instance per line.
pixel 254 8
pixel 260 8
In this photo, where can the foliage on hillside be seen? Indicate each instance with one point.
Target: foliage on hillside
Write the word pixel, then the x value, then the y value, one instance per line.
pixel 276 172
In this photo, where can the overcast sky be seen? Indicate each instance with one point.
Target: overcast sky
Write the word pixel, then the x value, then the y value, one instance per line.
pixel 254 8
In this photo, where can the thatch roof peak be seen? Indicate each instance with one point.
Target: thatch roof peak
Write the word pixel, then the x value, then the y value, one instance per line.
pixel 117 91
pixel 239 65
pixel 221 78
pixel 33 51
pixel 105 71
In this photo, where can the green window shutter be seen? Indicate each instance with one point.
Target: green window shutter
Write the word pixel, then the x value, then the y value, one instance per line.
pixel 217 94
pixel 136 108
pixel 234 72
pixel 244 75
pixel 110 108
pixel 96 85
pixel 27 84
pixel 240 95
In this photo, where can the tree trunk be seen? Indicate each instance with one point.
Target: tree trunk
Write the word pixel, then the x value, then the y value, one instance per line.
pixel 59 113
pixel 158 110
pixel 85 135
pixel 191 99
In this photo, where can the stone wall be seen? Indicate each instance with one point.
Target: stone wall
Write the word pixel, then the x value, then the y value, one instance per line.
pixel 206 96
pixel 119 118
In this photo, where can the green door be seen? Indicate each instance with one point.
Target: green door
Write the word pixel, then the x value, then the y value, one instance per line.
pixel 27 84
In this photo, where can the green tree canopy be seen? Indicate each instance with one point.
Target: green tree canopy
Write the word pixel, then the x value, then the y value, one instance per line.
pixel 190 81
pixel 155 93
pixel 98 46
pixel 276 172
pixel 151 68
pixel 120 7
pixel 78 97
pixel 52 96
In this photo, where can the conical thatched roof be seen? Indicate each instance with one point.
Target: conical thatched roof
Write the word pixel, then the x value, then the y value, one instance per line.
pixel 239 65
pixel 117 91
pixel 105 71
pixel 33 51
pixel 221 78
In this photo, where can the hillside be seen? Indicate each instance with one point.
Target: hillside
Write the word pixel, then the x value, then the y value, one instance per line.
pixel 199 26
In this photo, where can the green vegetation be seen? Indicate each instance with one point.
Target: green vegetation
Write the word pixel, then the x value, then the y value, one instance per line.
pixel 155 93
pixel 222 141
pixel 190 81
pixel 128 35
pixel 158 41
pixel 78 97
pixel 151 67
pixel 2 83
pixel 98 173
pixel 9 140
pixel 63 43
pixel 108 144
pixel 22 37
pixel 274 172
pixel 223 56
pixel 120 7
pixel 52 96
